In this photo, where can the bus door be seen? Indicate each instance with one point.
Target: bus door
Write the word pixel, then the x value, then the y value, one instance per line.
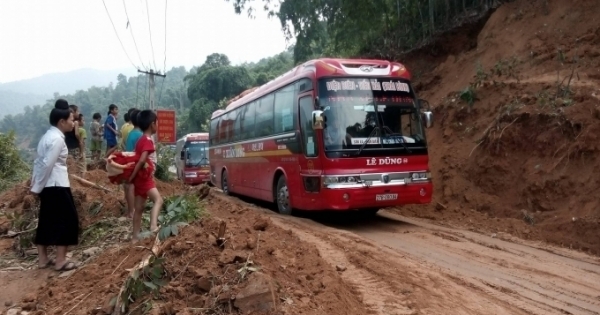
pixel 310 164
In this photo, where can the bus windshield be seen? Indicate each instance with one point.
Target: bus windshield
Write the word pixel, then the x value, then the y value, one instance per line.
pixel 379 112
pixel 197 153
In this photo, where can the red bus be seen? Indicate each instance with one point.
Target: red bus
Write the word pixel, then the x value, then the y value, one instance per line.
pixel 191 158
pixel 330 134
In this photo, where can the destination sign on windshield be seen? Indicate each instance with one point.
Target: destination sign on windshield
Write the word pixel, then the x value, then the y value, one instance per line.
pixel 369 100
pixel 383 85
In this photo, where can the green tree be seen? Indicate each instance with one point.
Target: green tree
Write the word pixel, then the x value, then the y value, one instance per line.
pixel 364 28
pixel 12 168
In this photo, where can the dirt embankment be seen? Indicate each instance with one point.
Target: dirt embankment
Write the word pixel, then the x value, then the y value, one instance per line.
pixel 258 268
pixel 515 146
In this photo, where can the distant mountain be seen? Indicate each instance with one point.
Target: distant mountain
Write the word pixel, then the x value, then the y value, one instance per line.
pixel 12 103
pixel 14 96
pixel 66 82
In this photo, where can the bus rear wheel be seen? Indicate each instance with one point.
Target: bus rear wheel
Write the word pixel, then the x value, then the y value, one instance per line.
pixel 225 183
pixel 282 197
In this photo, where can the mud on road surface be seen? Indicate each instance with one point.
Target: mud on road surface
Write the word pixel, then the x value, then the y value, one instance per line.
pixel 406 266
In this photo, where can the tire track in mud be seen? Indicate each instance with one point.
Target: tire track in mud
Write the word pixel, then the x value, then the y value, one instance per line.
pixel 379 295
pixel 562 285
pixel 389 282
pixel 404 266
pixel 419 287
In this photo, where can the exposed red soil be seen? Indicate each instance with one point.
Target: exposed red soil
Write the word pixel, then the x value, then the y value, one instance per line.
pixel 205 276
pixel 533 174
pixel 86 198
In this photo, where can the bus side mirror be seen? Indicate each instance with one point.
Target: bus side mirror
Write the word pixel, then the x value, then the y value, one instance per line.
pixel 182 155
pixel 424 104
pixel 317 119
pixel 426 114
pixel 428 119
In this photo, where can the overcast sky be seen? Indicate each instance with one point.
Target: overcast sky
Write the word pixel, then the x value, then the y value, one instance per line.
pixel 41 36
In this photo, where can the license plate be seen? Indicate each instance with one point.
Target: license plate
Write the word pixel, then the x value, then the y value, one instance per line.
pixel 386 197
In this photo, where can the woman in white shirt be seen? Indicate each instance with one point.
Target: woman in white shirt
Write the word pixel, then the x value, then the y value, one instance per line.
pixel 58 223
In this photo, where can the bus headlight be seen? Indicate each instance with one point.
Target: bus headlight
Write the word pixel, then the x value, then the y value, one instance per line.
pixel 340 180
pixel 420 176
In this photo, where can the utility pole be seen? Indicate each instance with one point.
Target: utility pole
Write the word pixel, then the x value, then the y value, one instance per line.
pixel 151 75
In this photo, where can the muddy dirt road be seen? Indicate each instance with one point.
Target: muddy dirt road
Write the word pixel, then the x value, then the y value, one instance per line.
pixel 405 266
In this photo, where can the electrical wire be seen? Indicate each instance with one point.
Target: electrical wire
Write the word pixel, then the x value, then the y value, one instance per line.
pixel 150 32
pixel 133 37
pixel 115 29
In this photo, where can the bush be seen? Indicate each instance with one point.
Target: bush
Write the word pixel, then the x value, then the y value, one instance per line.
pixel 12 168
pixel 164 156
pixel 176 211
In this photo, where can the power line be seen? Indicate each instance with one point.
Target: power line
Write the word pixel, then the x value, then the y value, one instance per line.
pixel 165 63
pixel 133 37
pixel 150 31
pixel 115 29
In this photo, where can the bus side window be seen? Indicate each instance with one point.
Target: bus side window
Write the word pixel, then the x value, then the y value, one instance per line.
pixel 284 109
pixel 213 131
pixel 248 113
pixel 237 124
pixel 264 116
pixel 220 134
pixel 308 134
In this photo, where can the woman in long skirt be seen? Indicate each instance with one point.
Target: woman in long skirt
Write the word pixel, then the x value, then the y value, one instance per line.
pixel 58 223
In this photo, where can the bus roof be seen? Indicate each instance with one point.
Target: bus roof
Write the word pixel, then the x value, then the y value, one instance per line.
pixel 198 136
pixel 317 68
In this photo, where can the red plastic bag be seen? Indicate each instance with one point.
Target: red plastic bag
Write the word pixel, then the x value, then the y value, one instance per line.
pixel 120 165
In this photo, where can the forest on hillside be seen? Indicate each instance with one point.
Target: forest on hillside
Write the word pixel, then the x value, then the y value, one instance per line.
pixel 194 94
pixel 383 29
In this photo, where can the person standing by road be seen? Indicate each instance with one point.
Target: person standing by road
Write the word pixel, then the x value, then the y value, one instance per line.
pixel 82 139
pixel 95 133
pixel 135 134
pixel 125 129
pixel 72 137
pixel 127 190
pixel 130 142
pixel 110 129
pixel 145 187
pixel 58 222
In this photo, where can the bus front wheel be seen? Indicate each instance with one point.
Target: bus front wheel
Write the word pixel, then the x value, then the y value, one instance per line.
pixel 283 197
pixel 224 183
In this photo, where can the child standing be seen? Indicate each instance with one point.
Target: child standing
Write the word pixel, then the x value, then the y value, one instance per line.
pixel 144 187
pixel 110 129
pixel 130 142
pixel 125 129
pixel 135 134
pixel 96 141
pixel 72 137
pixel 82 139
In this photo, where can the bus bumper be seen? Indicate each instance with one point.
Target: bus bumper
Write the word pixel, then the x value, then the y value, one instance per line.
pixel 196 180
pixel 370 197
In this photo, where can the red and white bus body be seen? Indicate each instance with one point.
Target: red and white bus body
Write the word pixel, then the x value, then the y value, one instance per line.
pixel 191 159
pixel 293 128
